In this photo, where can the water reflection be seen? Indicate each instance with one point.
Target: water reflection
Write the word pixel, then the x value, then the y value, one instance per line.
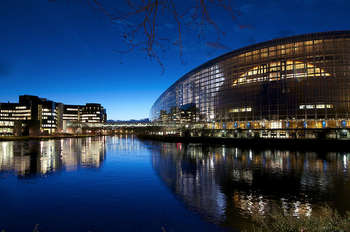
pixel 124 142
pixel 228 185
pixel 30 158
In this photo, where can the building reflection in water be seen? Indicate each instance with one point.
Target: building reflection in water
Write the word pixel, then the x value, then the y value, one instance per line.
pixel 29 158
pixel 124 142
pixel 228 185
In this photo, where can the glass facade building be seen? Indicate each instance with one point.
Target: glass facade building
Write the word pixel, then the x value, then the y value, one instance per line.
pixel 295 82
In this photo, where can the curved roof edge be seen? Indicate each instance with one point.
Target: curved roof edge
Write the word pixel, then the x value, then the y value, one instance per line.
pixel 283 40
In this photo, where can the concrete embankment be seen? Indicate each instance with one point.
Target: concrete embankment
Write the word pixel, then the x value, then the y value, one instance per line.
pixel 291 144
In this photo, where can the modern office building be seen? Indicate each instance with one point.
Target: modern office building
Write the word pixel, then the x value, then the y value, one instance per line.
pixel 89 113
pixel 72 113
pixel 74 116
pixel 93 113
pixel 35 116
pixel 289 83
pixel 12 116
pixel 44 113
pixel 31 115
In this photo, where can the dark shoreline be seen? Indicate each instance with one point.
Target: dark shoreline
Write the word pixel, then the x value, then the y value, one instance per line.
pixel 259 143
pixel 42 137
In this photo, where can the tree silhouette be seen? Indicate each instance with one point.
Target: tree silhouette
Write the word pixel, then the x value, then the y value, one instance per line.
pixel 154 26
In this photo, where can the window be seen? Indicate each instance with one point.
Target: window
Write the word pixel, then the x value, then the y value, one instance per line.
pixel 274 70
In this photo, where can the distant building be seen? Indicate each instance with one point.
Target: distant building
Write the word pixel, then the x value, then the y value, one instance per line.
pixel 93 113
pixel 89 113
pixel 35 116
pixel 12 117
pixel 180 115
pixel 72 113
pixel 74 116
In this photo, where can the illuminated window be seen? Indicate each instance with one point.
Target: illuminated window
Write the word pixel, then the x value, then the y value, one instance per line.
pixel 276 70
pixel 244 109
pixel 317 106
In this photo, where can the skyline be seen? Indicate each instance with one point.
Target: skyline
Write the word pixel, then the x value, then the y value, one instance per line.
pixel 69 46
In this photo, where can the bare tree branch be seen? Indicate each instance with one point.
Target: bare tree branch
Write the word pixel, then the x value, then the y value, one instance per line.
pixel 156 25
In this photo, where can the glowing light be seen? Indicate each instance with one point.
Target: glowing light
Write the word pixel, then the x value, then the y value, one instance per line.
pixel 275 71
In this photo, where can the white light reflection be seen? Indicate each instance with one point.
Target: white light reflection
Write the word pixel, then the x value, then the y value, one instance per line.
pixel 50 156
pixel 345 161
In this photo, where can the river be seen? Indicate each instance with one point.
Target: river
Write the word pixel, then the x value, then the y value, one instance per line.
pixel 120 183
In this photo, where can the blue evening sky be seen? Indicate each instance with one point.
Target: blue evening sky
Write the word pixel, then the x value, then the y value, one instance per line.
pixel 63 50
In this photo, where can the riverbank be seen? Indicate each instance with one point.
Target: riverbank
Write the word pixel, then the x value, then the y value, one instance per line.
pixel 43 137
pixel 291 144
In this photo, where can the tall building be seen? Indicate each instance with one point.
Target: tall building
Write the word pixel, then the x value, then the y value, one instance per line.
pixel 89 113
pixel 35 116
pixel 75 116
pixel 93 113
pixel 72 113
pixel 289 83
pixel 12 117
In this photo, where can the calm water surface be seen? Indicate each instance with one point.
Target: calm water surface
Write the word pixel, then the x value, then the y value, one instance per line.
pixel 124 184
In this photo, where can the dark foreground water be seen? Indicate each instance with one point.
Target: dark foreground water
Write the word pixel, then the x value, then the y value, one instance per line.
pixel 124 184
